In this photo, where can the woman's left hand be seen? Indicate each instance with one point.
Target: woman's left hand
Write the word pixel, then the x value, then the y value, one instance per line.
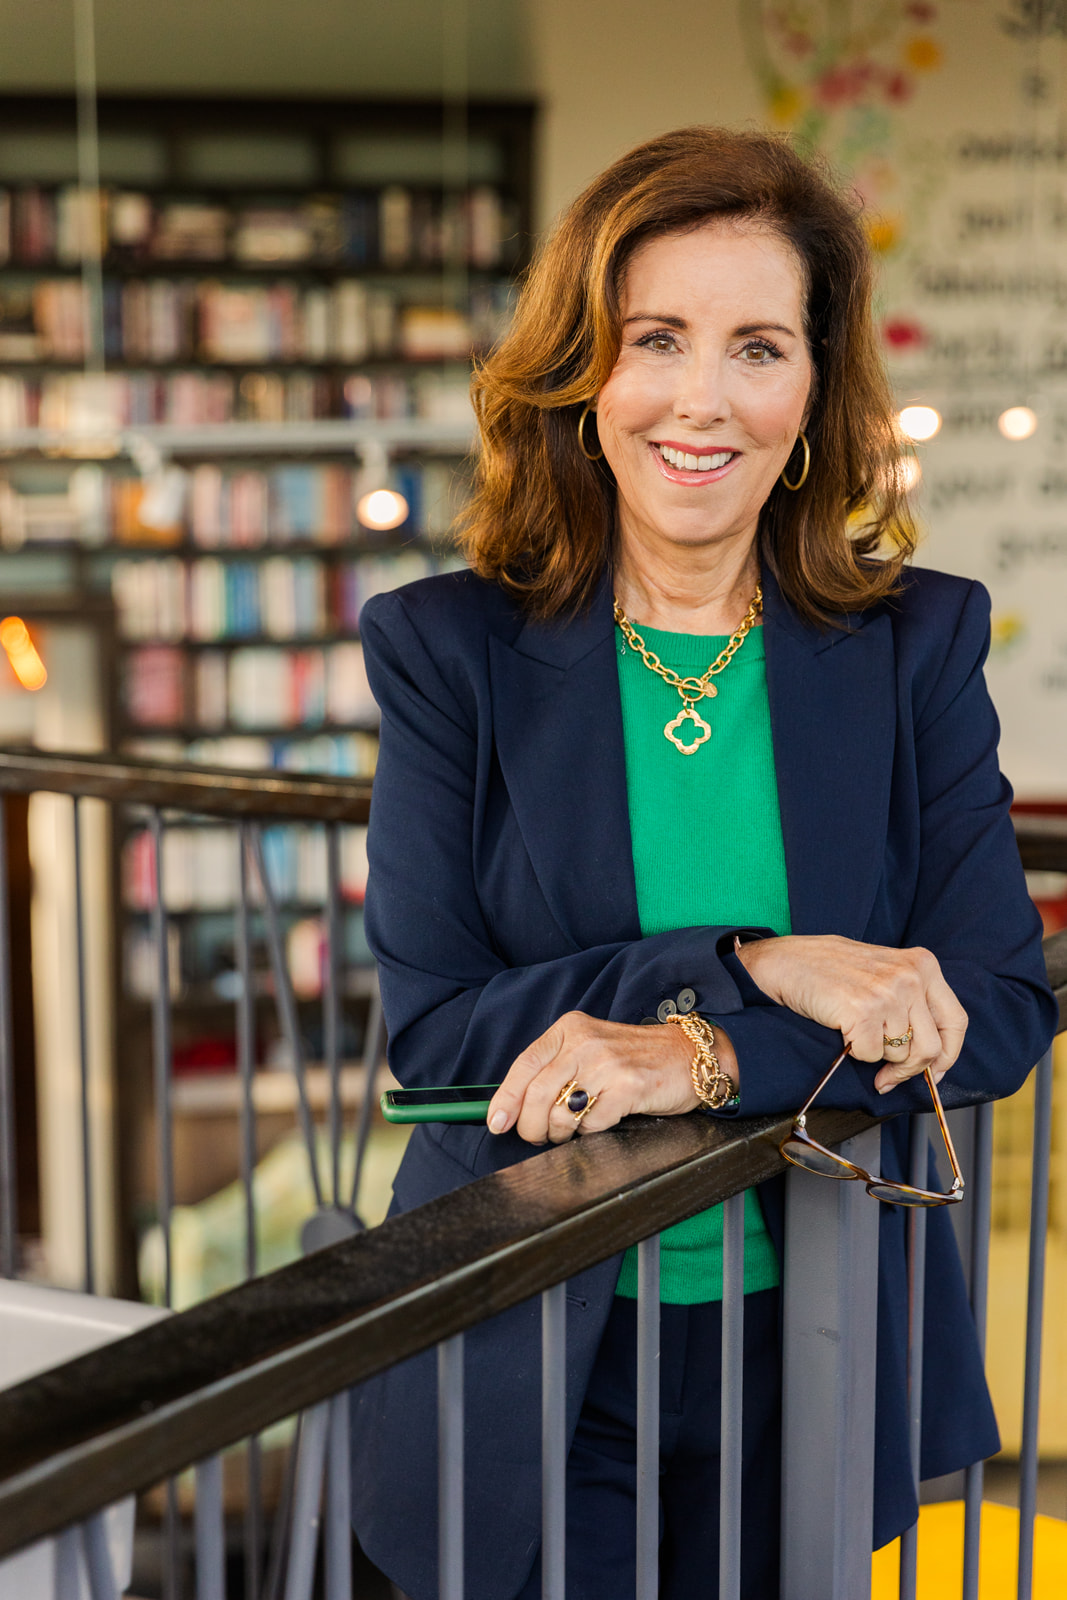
pixel 628 1069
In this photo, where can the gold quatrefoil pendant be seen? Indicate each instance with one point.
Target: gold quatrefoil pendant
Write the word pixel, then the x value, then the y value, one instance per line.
pixel 701 732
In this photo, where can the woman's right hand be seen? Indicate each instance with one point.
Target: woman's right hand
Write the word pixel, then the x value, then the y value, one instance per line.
pixel 869 993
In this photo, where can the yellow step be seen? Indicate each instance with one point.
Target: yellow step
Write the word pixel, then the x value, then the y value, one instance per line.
pixel 941 1556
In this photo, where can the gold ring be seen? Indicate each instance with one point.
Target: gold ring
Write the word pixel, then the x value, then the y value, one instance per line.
pixel 584 1112
pixel 897 1044
pixel 565 1091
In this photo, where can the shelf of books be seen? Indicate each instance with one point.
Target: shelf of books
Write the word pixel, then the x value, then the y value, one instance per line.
pixel 289 298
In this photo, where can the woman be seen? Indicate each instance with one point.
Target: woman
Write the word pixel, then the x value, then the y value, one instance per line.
pixel 689 780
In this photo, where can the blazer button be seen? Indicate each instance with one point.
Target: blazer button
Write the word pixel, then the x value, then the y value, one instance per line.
pixel 665 1009
pixel 686 1000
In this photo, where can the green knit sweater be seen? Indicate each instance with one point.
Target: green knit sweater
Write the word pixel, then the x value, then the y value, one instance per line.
pixel 707 849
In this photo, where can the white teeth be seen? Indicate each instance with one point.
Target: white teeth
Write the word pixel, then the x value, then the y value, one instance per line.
pixel 689 463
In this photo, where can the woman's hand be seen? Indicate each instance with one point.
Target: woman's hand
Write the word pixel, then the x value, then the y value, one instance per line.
pixel 869 993
pixel 628 1069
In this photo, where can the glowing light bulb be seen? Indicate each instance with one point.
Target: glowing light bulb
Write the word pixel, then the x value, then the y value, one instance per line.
pixel 382 509
pixel 920 422
pixel 26 664
pixel 1018 422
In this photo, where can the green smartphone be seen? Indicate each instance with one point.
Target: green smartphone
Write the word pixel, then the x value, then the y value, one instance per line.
pixel 467 1102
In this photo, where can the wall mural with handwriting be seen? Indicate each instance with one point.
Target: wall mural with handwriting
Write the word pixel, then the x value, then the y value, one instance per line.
pixel 951 122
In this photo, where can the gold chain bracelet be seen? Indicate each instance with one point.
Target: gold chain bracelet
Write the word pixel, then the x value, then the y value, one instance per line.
pixel 712 1086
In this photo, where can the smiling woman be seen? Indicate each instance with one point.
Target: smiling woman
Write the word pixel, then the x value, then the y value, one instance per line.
pixel 686 787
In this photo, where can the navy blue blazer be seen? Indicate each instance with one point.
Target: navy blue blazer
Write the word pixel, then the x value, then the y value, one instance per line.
pixel 502 894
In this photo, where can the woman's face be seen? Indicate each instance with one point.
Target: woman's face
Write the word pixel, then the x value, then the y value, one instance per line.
pixel 710 390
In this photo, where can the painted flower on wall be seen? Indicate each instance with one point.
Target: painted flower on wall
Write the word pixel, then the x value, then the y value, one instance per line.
pixel 835 74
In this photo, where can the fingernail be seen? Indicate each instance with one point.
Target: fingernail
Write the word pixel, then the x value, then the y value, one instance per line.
pixel 886 1088
pixel 498 1122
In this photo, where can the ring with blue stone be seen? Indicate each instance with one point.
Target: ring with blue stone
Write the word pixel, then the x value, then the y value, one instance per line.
pixel 577 1101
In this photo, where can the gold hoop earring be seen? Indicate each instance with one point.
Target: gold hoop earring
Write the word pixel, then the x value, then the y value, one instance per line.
pixel 581 435
pixel 802 480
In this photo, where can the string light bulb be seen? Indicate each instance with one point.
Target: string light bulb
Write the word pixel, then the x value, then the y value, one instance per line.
pixel 920 423
pixel 382 509
pixel 1017 423
pixel 21 651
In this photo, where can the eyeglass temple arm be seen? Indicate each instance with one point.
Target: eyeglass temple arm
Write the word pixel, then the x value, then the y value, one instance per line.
pixel 819 1087
pixel 942 1122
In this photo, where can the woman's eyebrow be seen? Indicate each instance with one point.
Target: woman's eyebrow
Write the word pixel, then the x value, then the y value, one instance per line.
pixel 765 327
pixel 655 316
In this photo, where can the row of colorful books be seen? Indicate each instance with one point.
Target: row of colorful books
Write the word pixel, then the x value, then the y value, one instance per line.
pixel 202 956
pixel 90 403
pixel 201 867
pixel 170 320
pixel 281 597
pixel 390 228
pixel 220 508
pixel 254 686
pixel 352 754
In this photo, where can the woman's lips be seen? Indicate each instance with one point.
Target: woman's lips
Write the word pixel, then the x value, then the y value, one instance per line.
pixel 693 477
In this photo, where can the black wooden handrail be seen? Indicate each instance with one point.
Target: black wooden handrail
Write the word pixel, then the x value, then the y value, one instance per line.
pixel 178 786
pixel 115 1421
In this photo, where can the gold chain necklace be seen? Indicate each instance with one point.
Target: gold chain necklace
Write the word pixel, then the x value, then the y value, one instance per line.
pixel 691 689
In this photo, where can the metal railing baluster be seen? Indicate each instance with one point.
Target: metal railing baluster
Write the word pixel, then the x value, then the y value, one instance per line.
pixel 1035 1304
pixel 162 1057
pixel 8 1175
pixel 69 1559
pixel 553 1442
pixel 282 1523
pixel 829 1354
pixel 161 1061
pixel 450 1495
pixel 102 1585
pixel 919 1177
pixel 210 1530
pixel 733 1367
pixel 648 1374
pixel 331 997
pixel 307 1502
pixel 338 1541
pixel 981 1201
pixel 373 1045
pixel 246 1064
pixel 89 1279
pixel 287 1008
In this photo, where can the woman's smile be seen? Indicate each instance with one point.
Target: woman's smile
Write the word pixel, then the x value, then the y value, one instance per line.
pixel 681 465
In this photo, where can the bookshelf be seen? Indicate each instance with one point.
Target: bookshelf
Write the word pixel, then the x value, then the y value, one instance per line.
pixel 292 292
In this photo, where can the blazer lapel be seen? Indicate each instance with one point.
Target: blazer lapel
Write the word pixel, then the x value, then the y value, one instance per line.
pixel 833 722
pixel 557 720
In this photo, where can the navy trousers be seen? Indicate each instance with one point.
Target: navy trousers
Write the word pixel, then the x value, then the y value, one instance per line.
pixel 602 1473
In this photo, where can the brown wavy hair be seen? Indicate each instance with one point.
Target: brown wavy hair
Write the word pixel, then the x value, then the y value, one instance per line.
pixel 541 521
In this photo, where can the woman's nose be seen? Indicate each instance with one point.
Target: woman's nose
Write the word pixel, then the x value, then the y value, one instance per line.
pixel 702 400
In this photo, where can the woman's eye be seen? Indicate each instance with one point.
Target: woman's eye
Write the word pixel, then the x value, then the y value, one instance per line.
pixel 758 354
pixel 657 341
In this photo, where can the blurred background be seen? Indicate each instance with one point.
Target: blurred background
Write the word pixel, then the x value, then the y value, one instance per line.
pixel 248 249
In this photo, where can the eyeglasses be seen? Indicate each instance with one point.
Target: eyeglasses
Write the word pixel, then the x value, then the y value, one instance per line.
pixel 804 1151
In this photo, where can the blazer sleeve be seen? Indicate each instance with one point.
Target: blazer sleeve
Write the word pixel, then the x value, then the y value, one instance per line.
pixel 456 1012
pixel 971 909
